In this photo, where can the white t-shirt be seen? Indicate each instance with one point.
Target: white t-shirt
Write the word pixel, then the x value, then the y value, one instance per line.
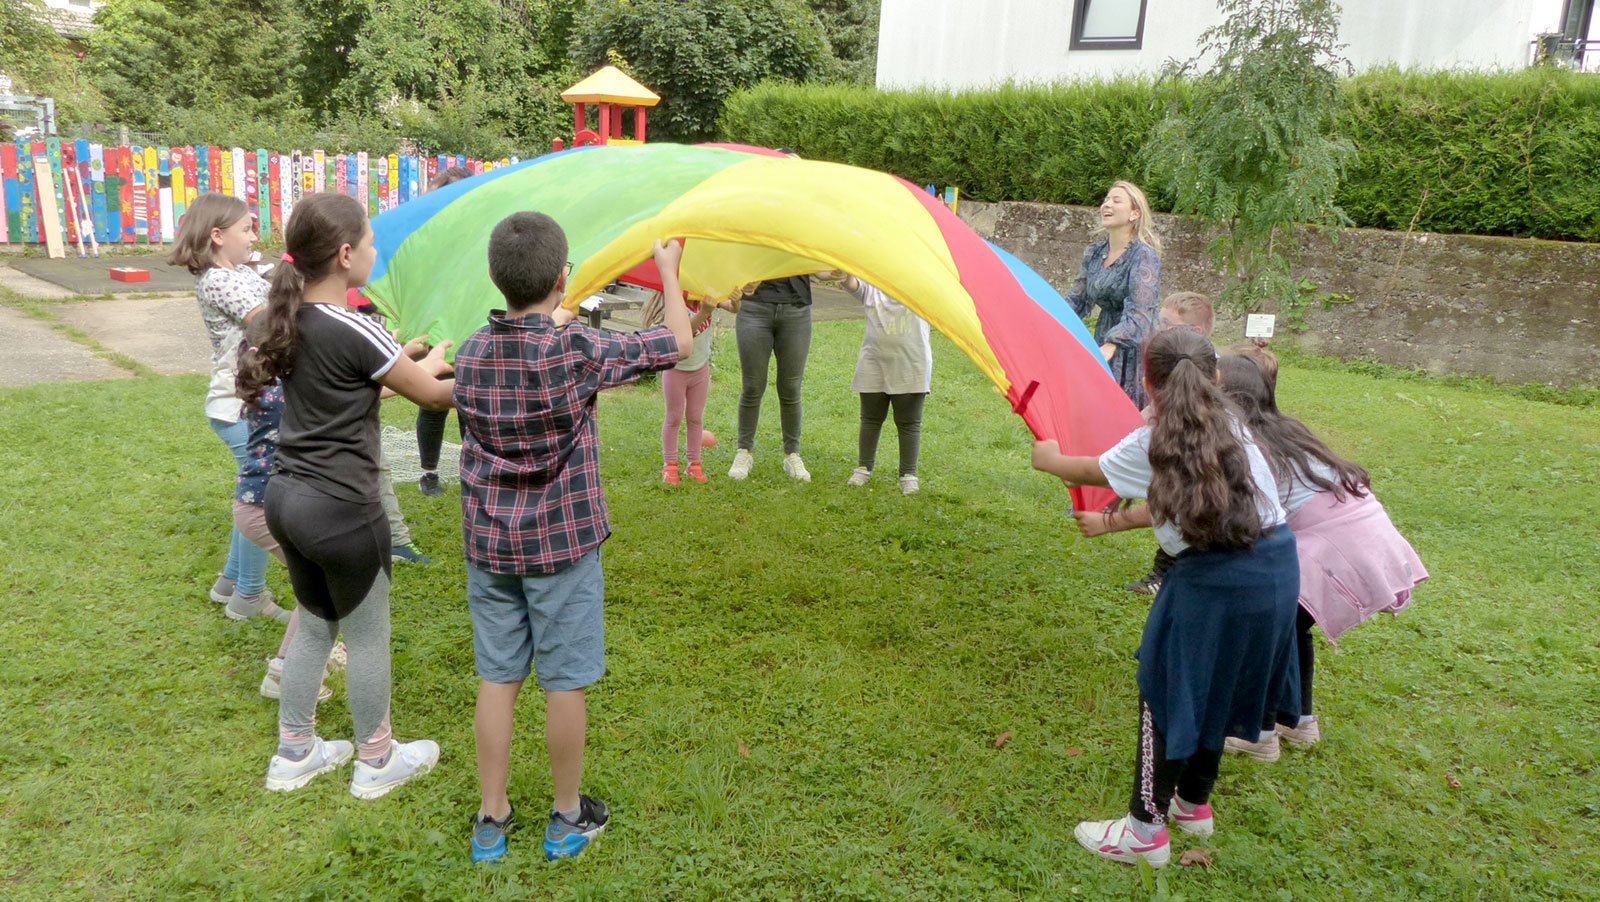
pixel 1127 470
pixel 1294 493
pixel 896 358
pixel 225 296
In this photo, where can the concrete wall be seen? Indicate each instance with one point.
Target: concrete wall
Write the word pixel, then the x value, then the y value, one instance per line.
pixel 964 44
pixel 1515 310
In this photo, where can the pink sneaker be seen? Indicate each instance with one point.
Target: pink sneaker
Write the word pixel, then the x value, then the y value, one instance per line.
pixel 1116 841
pixel 1194 820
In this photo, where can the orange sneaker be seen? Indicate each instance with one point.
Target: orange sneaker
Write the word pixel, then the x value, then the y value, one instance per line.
pixel 669 473
pixel 695 473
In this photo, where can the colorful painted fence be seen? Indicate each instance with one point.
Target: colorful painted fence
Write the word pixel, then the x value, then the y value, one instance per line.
pixel 136 195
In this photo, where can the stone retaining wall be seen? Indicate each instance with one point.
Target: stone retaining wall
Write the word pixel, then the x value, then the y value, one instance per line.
pixel 1515 310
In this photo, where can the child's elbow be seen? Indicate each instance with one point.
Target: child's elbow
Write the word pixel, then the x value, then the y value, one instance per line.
pixel 685 345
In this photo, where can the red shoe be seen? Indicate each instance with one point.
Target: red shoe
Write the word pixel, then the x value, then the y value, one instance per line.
pixel 695 473
pixel 669 473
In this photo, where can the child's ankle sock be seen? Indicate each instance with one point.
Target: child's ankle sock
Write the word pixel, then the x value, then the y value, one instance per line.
pixel 1183 806
pixel 1266 734
pixel 1305 719
pixel 571 817
pixel 294 749
pixel 1142 829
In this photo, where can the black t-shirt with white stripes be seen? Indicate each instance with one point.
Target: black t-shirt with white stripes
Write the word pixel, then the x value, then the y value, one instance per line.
pixel 329 436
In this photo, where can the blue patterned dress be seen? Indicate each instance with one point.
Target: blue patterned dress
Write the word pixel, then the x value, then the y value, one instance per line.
pixel 1128 293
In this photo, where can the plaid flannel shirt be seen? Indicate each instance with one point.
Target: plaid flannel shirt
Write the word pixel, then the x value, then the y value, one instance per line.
pixel 531 501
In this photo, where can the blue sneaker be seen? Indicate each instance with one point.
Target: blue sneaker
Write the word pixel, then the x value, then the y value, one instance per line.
pixel 489 837
pixel 408 554
pixel 566 839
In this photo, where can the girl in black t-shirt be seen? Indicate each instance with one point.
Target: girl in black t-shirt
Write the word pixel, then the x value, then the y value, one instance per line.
pixel 322 502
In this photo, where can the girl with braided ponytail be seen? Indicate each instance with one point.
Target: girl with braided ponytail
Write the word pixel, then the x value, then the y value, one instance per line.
pixel 1218 648
pixel 322 502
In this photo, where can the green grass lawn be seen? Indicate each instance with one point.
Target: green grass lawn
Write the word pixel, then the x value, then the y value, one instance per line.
pixel 805 682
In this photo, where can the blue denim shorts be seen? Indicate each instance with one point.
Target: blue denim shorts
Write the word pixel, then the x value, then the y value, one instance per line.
pixel 551 623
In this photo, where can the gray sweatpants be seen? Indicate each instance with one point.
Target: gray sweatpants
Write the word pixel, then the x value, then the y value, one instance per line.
pixel 399 533
pixel 765 330
pixel 366 636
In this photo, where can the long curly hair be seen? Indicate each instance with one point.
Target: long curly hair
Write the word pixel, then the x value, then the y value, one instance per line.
pixel 1200 478
pixel 1290 447
pixel 320 225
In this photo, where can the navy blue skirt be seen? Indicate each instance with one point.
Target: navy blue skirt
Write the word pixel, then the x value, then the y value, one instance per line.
pixel 1219 647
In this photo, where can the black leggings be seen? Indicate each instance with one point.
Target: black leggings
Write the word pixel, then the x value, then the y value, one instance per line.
pixel 1155 778
pixel 334 549
pixel 430 435
pixel 1306 644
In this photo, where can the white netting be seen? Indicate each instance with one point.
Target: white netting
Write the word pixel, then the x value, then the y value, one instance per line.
pixel 400 452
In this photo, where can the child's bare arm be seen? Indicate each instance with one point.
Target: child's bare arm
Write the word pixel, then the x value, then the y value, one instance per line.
pixel 675 313
pixel 1099 523
pixel 418 380
pixel 1073 471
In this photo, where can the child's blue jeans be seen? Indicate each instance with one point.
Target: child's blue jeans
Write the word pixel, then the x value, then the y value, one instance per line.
pixel 247 564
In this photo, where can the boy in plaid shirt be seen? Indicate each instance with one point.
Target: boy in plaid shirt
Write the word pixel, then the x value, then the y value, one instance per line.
pixel 534 513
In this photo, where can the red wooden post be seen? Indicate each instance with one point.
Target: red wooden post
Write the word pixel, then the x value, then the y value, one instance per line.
pixel 605 121
pixel 638 124
pixel 616 119
pixel 577 118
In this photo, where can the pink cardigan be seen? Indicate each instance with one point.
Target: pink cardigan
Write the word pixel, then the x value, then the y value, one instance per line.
pixel 1353 562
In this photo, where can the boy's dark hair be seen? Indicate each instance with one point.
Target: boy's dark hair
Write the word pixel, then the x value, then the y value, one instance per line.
pixel 527 253
pixel 449 176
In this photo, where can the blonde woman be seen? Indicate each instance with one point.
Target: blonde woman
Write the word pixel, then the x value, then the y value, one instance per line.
pixel 1121 274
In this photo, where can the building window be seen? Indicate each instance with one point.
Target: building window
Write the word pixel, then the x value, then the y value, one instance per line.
pixel 1107 24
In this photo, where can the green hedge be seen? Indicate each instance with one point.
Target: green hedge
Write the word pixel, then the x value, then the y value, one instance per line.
pixel 1482 153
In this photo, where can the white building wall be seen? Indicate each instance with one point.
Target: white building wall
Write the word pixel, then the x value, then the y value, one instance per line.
pixel 972 43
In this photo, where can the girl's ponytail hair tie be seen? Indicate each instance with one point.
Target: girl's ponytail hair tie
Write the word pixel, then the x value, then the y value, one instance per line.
pixel 288 257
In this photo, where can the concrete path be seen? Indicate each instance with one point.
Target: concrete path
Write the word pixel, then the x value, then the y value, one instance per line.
pixel 164 334
pixel 37 353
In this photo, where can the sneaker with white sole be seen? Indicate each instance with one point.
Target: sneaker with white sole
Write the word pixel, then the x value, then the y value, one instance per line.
pixel 216 594
pixel 796 468
pixel 859 476
pixel 284 775
pixel 338 659
pixel 1303 736
pixel 1116 841
pixel 1195 820
pixel 1264 750
pixel 272 682
pixel 406 760
pixel 909 485
pixel 262 604
pixel 742 459
pixel 566 839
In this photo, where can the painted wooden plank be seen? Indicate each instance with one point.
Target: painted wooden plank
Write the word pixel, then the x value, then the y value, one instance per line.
pixel 13 192
pixel 362 193
pixel 182 172
pixel 169 222
pixel 252 188
pixel 29 199
pixel 152 193
pixel 102 210
pixel 263 192
pixel 49 213
pixel 394 181
pixel 319 171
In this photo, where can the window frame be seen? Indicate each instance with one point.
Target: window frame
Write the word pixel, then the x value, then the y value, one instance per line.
pixel 1080 12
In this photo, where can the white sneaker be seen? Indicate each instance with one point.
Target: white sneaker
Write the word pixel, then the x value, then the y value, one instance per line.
pixel 742 459
pixel 406 760
pixel 272 682
pixel 1264 750
pixel 909 485
pixel 264 604
pixel 1195 820
pixel 1303 736
pixel 1116 841
pixel 284 775
pixel 796 468
pixel 859 477
pixel 338 659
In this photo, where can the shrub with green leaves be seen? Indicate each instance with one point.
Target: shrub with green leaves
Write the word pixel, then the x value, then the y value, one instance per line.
pixel 1490 153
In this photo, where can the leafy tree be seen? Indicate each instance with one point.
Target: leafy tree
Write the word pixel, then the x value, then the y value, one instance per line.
pixel 1255 151
pixel 852 30
pixel 155 59
pixel 39 61
pixel 695 53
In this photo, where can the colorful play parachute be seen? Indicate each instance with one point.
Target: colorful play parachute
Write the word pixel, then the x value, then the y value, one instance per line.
pixel 748 214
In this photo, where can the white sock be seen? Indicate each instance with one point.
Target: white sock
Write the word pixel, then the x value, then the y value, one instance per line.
pixel 1144 831
pixel 1266 734
pixel 1305 719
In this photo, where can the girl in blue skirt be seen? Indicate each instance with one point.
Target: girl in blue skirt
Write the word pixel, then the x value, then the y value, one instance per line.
pixel 1218 650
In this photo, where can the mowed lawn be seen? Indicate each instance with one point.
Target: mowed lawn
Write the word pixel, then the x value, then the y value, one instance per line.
pixel 806 682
